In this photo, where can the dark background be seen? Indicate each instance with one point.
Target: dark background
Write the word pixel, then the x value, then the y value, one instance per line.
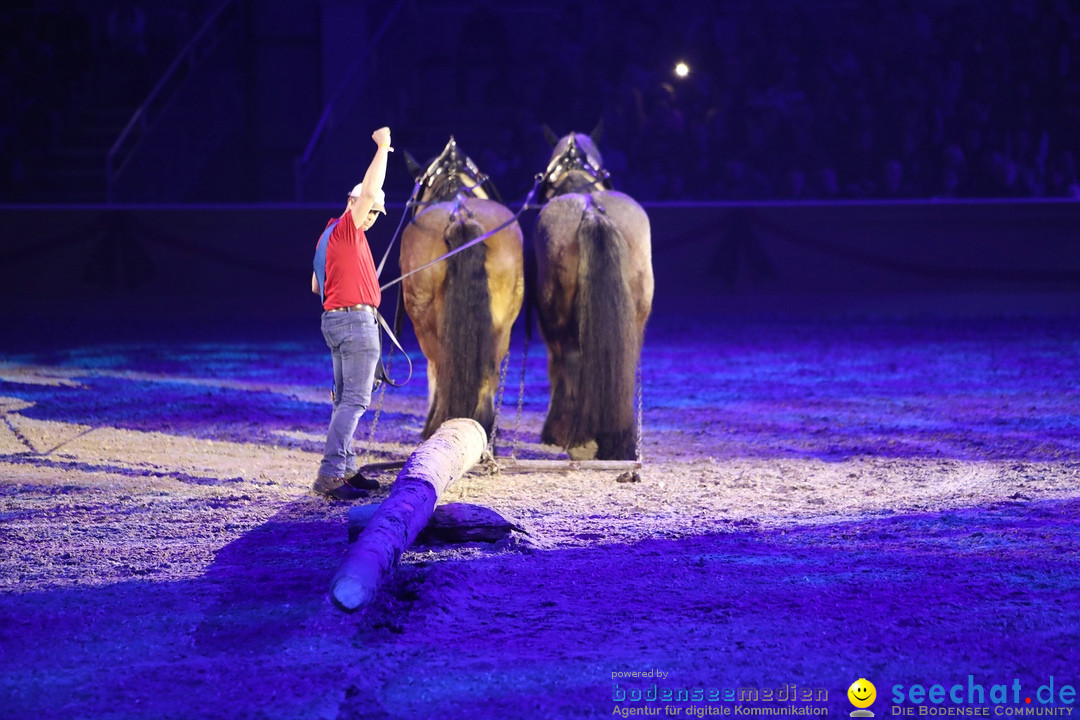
pixel 163 561
pixel 182 156
pixel 246 101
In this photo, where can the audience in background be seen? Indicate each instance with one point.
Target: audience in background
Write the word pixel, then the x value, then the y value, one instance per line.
pixel 880 99
pixel 59 59
pixel 887 99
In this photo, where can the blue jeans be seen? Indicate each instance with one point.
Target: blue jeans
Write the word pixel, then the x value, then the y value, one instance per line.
pixel 353 338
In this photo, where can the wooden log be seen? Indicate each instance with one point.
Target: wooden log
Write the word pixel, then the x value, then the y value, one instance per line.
pixel 456 446
pixel 559 465
pixel 450 523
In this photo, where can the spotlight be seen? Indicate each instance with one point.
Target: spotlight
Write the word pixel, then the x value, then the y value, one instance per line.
pixel 682 69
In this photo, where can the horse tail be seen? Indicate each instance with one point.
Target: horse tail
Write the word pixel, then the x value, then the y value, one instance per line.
pixel 466 332
pixel 608 338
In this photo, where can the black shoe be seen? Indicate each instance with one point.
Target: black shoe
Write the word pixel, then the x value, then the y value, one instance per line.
pixel 337 488
pixel 360 482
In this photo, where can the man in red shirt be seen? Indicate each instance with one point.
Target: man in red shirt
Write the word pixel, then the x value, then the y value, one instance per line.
pixel 346 280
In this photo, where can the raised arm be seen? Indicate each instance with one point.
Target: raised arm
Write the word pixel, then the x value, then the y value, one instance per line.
pixel 373 178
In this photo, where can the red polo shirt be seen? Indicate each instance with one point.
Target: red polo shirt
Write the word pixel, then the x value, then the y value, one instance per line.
pixel 350 269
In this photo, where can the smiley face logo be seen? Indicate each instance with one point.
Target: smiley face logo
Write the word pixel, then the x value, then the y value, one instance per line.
pixel 862 693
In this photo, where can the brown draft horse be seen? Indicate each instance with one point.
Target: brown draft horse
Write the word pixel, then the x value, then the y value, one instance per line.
pixel 594 295
pixel 462 308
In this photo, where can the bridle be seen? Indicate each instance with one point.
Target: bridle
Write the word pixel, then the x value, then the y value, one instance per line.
pixel 572 171
pixel 451 169
pixel 450 160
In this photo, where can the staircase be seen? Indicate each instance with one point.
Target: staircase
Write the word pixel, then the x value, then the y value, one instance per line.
pixel 73 169
pixel 65 162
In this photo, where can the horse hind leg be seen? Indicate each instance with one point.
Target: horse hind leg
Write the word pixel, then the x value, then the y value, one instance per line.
pixel 617 445
pixel 435 415
pixel 484 412
pixel 564 363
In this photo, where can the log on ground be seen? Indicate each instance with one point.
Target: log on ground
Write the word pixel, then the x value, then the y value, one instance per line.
pixel 448 454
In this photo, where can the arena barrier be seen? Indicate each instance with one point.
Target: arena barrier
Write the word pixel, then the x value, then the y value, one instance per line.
pixel 201 259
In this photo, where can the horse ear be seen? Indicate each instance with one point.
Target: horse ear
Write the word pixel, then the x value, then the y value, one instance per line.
pixel 414 167
pixel 550 136
pixel 597 132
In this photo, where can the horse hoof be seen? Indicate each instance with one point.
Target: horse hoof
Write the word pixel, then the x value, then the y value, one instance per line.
pixel 582 452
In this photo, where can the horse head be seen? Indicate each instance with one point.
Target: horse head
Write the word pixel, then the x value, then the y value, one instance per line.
pixel 575 166
pixel 451 173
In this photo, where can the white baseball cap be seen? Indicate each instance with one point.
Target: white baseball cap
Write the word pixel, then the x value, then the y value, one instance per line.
pixel 380 198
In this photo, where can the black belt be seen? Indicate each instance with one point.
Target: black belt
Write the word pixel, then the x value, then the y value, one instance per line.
pixel 355 308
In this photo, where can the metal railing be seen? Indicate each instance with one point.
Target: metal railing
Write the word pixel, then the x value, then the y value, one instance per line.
pixel 144 116
pixel 302 163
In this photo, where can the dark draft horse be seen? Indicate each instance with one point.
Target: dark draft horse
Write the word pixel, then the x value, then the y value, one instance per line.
pixel 462 308
pixel 594 295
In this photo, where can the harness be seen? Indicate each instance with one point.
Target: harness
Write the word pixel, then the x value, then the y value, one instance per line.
pixel 573 163
pixel 414 203
pixel 320 257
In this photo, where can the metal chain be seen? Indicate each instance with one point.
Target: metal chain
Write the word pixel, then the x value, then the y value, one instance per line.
pixel 498 403
pixel 521 400
pixel 637 449
pixel 378 410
